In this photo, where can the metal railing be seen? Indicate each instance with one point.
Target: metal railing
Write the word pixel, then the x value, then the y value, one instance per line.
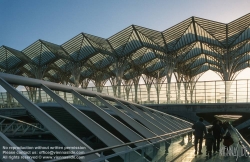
pixel 13 127
pixel 242 142
pixel 237 91
pixel 165 147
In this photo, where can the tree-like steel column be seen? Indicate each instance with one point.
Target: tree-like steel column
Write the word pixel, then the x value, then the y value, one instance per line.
pixel 148 82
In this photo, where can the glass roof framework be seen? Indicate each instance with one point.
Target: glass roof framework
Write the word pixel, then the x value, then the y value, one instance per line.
pixel 195 44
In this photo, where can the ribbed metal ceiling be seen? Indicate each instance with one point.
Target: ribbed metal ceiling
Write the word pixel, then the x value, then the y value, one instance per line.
pixel 195 44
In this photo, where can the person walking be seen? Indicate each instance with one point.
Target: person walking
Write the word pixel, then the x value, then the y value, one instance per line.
pixel 228 140
pixel 199 131
pixel 217 130
pixel 209 142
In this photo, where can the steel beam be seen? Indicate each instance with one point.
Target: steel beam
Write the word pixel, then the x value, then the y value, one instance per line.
pixel 147 123
pixel 172 125
pixel 165 114
pixel 123 129
pixel 25 130
pixel 160 118
pixel 137 126
pixel 178 122
pixel 150 118
pixel 171 120
pixel 5 130
pixel 243 125
pixel 16 129
pixel 59 131
pixel 100 132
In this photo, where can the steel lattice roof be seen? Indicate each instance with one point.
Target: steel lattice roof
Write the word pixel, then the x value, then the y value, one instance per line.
pixel 195 45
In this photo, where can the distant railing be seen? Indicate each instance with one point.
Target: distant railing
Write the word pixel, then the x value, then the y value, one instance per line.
pixel 244 144
pixel 174 93
pixel 183 93
pixel 13 127
pixel 168 147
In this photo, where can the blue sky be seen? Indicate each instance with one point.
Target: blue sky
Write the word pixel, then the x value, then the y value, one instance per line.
pixel 22 22
pixel 25 21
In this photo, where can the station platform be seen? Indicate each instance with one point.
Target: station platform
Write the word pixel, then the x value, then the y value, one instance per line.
pixel 220 156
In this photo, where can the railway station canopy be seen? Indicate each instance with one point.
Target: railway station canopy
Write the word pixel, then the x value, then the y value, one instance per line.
pixel 186 50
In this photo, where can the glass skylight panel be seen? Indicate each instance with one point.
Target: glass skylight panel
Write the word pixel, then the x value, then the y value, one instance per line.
pixel 2 53
pixel 198 62
pixel 39 53
pixel 86 72
pixel 243 36
pixel 2 56
pixel 152 64
pixel 98 40
pixel 12 61
pixel 244 58
pixel 97 46
pixel 194 52
pixel 52 72
pixel 104 63
pixel 241 66
pixel 212 60
pixel 73 44
pixel 216 29
pixel 209 51
pixel 8 60
pixel 132 44
pixel 33 50
pixel 187 38
pixel 139 46
pixel 25 75
pixel 27 67
pixel 96 58
pixel 83 51
pixel 244 49
pixel 46 79
pixel 214 68
pixel 205 36
pixel 149 55
pixel 174 33
pixel 60 63
pixel 147 42
pixel 112 67
pixel 119 40
pixel 84 69
pixel 236 27
pixel 156 66
pixel 138 54
pixel 153 35
pixel 72 79
pixel 202 69
pixel 46 57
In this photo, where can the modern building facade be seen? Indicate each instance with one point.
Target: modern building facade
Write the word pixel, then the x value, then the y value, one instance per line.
pixel 186 51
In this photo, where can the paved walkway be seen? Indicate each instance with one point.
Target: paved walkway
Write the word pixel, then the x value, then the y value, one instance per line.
pixel 189 155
